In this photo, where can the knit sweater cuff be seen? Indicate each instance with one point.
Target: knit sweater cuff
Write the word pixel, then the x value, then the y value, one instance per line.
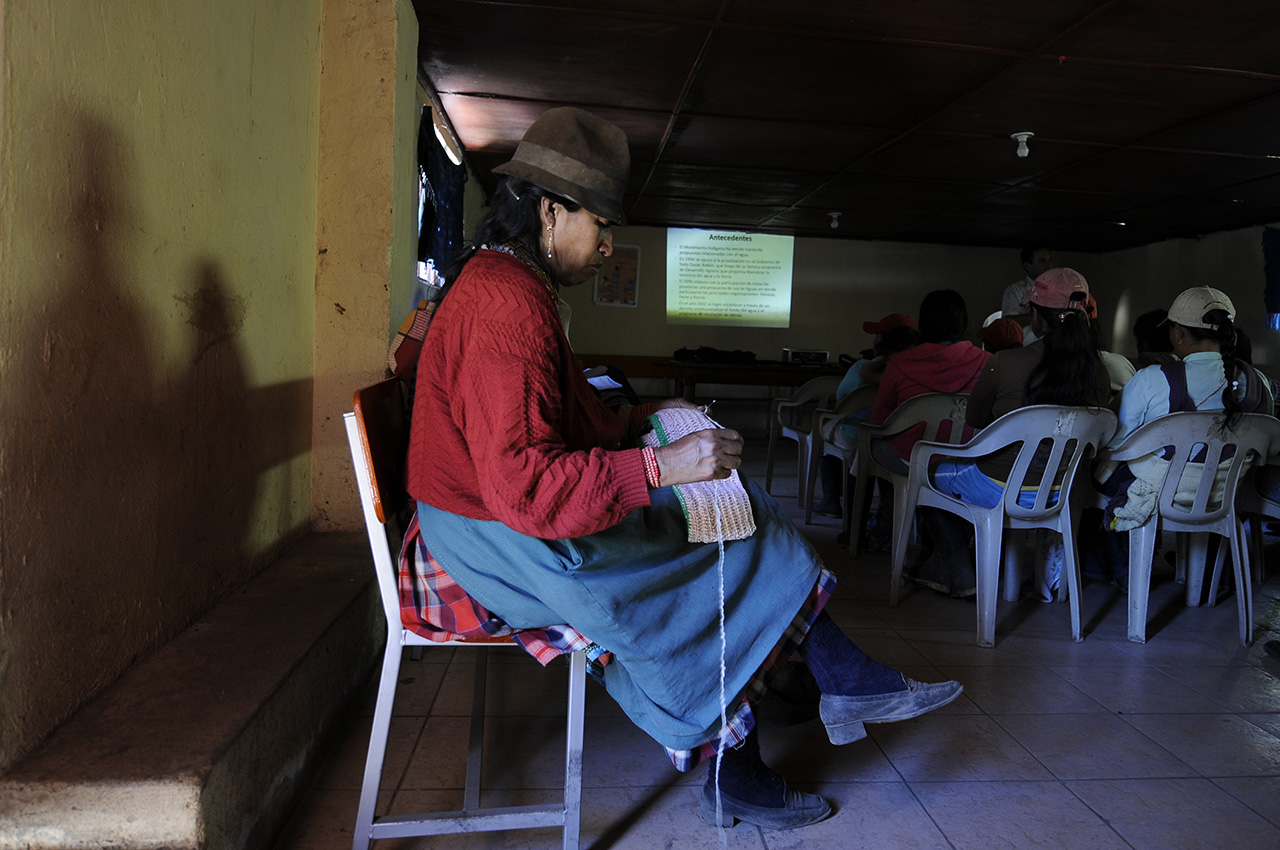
pixel 633 488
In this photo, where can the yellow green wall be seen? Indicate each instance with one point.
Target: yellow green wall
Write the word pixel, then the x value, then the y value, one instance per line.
pixel 366 224
pixel 157 269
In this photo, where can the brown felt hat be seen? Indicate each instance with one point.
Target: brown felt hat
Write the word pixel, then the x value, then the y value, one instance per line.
pixel 577 155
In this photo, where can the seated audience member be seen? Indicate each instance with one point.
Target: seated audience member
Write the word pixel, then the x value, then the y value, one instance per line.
pixel 1001 334
pixel 1268 478
pixel 1244 353
pixel 1208 376
pixel 1119 369
pixel 1035 261
pixel 894 333
pixel 1061 367
pixel 1152 339
pixel 944 362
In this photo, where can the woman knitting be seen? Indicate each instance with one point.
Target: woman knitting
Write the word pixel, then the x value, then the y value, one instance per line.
pixel 535 498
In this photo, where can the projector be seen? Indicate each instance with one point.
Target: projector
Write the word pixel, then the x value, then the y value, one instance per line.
pixel 805 356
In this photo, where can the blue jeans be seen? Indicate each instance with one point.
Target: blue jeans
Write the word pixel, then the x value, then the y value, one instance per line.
pixel 963 479
pixel 967 483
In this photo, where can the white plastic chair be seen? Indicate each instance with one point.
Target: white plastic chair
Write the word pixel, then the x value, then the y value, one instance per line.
pixel 929 409
pixel 792 419
pixel 1063 436
pixel 376 434
pixel 1213 507
pixel 828 439
pixel 1257 508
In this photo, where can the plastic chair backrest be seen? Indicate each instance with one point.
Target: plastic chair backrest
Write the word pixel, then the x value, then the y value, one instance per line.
pixel 1183 434
pixel 1080 431
pixel 860 398
pixel 929 409
pixel 816 390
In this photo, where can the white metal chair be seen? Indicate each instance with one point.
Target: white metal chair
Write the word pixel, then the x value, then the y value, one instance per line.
pixel 1059 438
pixel 792 419
pixel 828 439
pixel 929 409
pixel 377 436
pixel 1197 440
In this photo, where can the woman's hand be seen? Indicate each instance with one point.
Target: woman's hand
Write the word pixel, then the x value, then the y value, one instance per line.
pixel 700 456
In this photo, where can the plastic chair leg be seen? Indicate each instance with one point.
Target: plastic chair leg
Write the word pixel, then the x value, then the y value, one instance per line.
pixel 988 540
pixel 1214 582
pixel 903 516
pixel 1244 587
pixel 1070 578
pixel 904 511
pixel 1142 543
pixel 1014 567
pixel 1197 555
pixel 857 509
pixel 803 447
pixel 769 458
pixel 811 477
pixel 1256 523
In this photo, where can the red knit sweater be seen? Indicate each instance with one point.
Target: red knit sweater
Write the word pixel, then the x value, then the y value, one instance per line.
pixel 505 427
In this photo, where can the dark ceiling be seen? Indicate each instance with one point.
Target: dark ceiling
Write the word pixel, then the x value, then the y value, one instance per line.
pixel 1153 119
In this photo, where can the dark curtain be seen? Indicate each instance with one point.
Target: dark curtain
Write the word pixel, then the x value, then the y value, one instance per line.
pixel 441 235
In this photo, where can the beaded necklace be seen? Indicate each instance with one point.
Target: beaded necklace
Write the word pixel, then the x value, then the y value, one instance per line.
pixel 521 253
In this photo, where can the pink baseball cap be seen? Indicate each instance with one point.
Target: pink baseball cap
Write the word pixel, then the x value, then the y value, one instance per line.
pixel 1059 289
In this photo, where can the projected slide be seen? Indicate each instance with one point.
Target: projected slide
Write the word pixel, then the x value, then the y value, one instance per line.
pixel 719 277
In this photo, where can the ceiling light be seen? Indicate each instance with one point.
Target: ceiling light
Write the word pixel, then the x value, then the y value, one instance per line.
pixel 835 219
pixel 1021 138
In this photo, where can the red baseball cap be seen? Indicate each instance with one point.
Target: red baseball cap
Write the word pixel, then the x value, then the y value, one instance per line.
pixel 889 322
pixel 1001 334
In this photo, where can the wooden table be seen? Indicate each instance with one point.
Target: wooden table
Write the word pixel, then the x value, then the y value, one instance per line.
pixel 688 373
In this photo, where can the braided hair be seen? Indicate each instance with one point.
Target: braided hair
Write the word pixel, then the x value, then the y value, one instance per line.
pixel 1223 333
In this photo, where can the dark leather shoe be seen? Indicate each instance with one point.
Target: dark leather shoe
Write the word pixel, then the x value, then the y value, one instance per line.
pixel 844 716
pixel 800 809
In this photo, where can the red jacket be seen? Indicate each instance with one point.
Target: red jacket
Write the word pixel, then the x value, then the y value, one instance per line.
pixel 934 367
pixel 505 427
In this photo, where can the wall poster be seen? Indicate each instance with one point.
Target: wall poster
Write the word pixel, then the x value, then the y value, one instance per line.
pixel 619 277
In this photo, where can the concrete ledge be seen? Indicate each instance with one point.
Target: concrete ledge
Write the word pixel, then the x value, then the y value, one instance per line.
pixel 208 742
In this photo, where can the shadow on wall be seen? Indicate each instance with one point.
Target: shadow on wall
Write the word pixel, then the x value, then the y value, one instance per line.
pixel 128 494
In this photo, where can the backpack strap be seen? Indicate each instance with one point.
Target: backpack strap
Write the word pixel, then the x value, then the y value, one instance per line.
pixel 1179 399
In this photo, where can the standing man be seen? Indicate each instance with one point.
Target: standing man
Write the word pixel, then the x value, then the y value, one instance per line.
pixel 1035 262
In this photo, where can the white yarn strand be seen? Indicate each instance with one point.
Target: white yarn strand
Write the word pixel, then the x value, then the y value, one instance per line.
pixel 724 708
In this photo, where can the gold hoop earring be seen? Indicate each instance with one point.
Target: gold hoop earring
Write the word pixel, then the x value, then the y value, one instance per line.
pixel 551 238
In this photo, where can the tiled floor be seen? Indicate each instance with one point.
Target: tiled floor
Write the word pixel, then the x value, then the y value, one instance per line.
pixel 1101 744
